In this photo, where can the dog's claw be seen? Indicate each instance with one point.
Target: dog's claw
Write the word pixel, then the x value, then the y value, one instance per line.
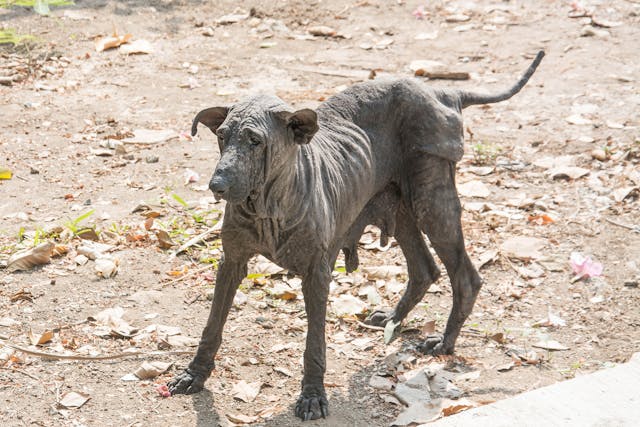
pixel 434 345
pixel 312 404
pixel 186 383
pixel 379 318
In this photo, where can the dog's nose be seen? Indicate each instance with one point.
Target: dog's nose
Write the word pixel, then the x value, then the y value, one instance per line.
pixel 218 185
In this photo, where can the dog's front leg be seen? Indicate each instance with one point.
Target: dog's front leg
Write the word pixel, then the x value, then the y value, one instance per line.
pixel 312 403
pixel 192 380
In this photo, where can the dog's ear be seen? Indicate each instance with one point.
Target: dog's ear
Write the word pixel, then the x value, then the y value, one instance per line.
pixel 303 123
pixel 211 118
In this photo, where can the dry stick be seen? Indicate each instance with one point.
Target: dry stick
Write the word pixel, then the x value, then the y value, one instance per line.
pixel 635 228
pixel 21 371
pixel 191 273
pixel 374 328
pixel 93 358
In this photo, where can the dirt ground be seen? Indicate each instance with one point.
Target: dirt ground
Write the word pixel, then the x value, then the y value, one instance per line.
pixel 69 109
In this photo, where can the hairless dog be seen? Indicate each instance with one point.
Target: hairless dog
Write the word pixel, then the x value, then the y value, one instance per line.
pixel 302 185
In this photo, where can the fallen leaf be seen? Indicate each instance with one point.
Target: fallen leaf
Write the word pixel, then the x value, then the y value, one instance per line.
pixel 498 337
pixel 348 305
pixel 523 247
pixel 474 188
pixel 93 250
pixel 384 272
pixel 111 319
pixel 390 330
pixel 5 173
pixel 247 392
pixel 541 219
pixel 111 42
pixel 506 367
pixel 164 240
pixel 619 194
pixel 283 291
pixel 568 172
pixel 150 136
pixel 550 321
pixel 577 119
pixel 419 413
pixel 550 345
pixel 39 339
pixel 73 400
pixel 451 407
pixel 322 31
pixel 139 46
pixel 485 258
pixel 242 419
pixel 150 370
pixel 266 267
pixel 106 267
pixel 182 341
pixel 428 328
pixel 381 383
pixel 28 258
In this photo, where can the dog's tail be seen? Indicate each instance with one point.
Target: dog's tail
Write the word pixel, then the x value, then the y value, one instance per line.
pixel 471 98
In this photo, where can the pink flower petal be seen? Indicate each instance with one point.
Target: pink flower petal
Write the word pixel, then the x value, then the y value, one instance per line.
pixel 163 390
pixel 584 267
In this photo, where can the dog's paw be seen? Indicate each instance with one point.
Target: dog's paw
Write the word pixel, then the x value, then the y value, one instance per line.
pixel 188 382
pixel 379 318
pixel 312 403
pixel 433 345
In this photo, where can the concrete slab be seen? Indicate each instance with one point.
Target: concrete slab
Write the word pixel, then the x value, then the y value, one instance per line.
pixel 606 398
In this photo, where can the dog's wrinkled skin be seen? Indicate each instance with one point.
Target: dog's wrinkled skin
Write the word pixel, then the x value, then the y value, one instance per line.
pixel 301 186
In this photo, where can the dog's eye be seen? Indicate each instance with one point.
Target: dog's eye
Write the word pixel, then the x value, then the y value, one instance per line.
pixel 254 140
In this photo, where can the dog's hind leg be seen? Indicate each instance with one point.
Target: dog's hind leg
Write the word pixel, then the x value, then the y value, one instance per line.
pixel 435 203
pixel 421 267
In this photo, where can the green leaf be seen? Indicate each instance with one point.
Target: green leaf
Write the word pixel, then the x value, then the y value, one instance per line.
pixel 179 200
pixel 83 217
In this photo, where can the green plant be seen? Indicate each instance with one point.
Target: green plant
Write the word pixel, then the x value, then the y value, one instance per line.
pixel 9 36
pixel 179 200
pixel 73 224
pixel 485 153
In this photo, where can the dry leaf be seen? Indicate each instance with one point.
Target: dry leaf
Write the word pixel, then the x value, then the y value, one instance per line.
pixel 348 305
pixel 451 407
pixel 5 173
pixel 28 258
pixel 106 267
pixel 150 370
pixel 550 345
pixel 474 189
pixel 283 291
pixel 139 46
pixel 39 339
pixel 245 391
pixel 112 41
pixel 164 240
pixel 384 272
pixel 242 419
pixel 522 247
pixel 150 136
pixel 542 219
pixel 429 328
pixel 73 400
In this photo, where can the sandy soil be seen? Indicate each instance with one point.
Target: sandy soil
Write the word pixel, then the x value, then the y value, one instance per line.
pixel 70 106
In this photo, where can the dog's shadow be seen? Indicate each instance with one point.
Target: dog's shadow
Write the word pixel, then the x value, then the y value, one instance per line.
pixel 204 406
pixel 354 405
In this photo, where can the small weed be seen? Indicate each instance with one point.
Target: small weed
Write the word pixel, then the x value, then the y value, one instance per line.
pixel 32 3
pixel 73 225
pixel 485 153
pixel 9 36
pixel 179 200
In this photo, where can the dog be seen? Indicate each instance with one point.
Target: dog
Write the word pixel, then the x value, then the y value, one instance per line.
pixel 302 185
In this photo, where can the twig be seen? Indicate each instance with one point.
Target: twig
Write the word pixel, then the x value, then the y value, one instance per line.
pixel 373 328
pixel 93 358
pixel 635 228
pixel 33 377
pixel 216 228
pixel 184 276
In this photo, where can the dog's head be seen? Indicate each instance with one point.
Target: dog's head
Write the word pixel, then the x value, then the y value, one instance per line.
pixel 257 138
